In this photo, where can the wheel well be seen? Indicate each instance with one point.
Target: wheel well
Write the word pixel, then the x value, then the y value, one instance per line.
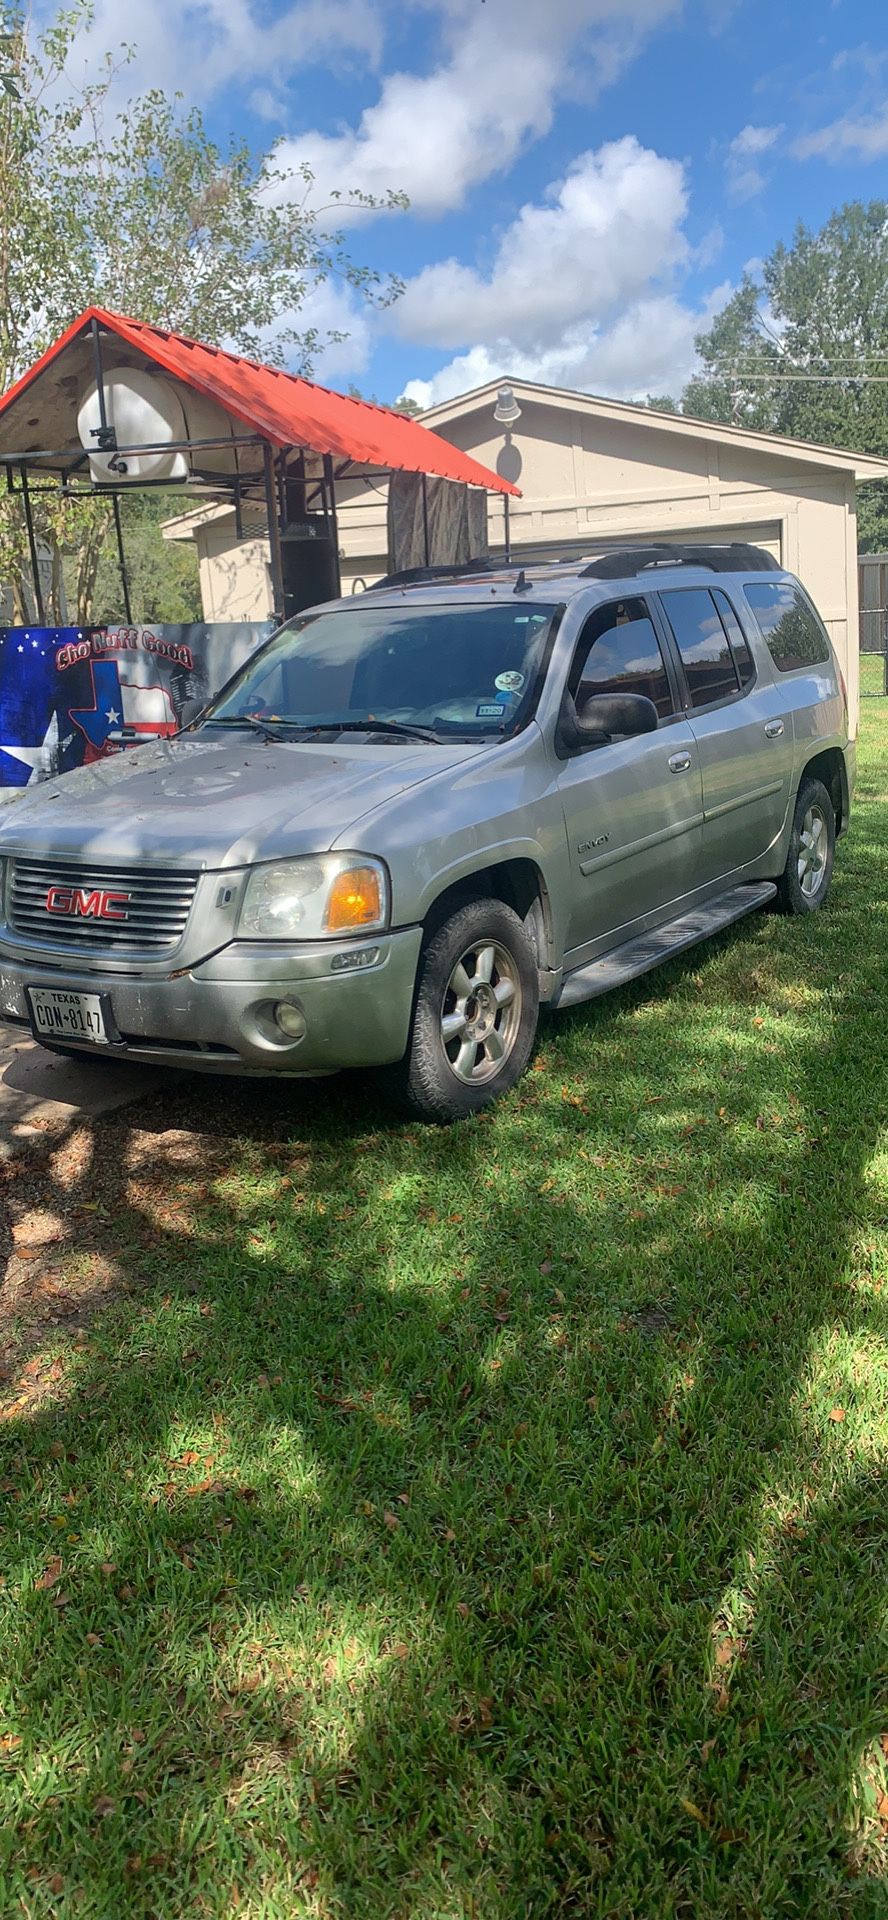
pixel 829 767
pixel 518 883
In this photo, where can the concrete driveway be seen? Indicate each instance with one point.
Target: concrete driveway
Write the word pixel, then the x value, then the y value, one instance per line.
pixel 38 1091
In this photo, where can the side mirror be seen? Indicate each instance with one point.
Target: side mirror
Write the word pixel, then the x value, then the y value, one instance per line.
pixel 605 717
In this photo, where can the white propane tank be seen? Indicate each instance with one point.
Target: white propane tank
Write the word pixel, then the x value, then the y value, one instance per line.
pixel 144 410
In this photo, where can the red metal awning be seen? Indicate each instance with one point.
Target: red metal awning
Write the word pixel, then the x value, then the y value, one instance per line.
pixel 282 408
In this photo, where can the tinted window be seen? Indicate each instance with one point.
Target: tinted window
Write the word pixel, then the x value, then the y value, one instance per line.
pixel 790 626
pixel 619 653
pixel 703 645
pixel 739 644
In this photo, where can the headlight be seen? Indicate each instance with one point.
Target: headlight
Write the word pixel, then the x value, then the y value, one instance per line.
pixel 315 899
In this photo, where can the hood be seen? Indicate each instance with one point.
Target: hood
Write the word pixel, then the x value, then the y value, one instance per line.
pixel 202 802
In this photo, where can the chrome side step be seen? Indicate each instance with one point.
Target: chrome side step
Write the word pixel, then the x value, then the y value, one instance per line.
pixel 649 949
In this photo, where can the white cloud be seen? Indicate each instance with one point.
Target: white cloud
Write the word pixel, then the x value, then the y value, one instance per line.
pixel 744 177
pixel 506 63
pixel 648 349
pixel 579 292
pixel 755 139
pixel 200 46
pixel 604 233
pixel 848 138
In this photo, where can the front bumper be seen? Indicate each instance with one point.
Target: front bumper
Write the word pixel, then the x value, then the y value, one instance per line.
pixel 218 1015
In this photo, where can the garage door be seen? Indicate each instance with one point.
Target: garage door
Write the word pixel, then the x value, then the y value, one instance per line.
pixel 766 534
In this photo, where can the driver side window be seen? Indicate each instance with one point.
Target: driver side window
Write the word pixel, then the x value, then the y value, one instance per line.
pixel 618 652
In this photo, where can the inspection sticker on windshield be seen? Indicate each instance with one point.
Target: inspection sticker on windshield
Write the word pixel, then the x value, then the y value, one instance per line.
pixel 493 712
pixel 509 682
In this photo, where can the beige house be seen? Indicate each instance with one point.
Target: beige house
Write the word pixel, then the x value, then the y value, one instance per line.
pixel 594 472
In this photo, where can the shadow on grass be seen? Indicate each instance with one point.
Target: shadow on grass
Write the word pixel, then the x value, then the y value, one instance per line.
pixel 458 1523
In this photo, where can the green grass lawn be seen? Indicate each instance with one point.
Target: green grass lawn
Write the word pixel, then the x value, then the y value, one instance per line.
pixel 490 1522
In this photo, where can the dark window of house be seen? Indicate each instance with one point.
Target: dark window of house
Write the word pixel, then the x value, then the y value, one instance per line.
pixel 703 645
pixel 793 632
pixel 739 643
pixel 619 652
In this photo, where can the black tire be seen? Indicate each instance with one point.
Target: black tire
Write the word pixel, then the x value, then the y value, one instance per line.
pixel 805 880
pixel 501 1030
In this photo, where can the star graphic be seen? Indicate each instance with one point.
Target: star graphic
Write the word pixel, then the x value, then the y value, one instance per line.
pixel 39 759
pixel 112 714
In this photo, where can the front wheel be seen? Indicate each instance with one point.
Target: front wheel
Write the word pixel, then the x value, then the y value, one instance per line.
pixel 476 1014
pixel 804 882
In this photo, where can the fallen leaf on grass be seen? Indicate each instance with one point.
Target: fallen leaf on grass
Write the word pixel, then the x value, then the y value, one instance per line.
pixel 727 1650
pixel 108 1566
pixel 882 1807
pixel 696 1812
pixel 57 1883
pixel 103 1806
pixel 9 1742
pixel 51 1573
pixel 391 1520
pixel 400 1650
pixel 837 1413
pixel 706 1749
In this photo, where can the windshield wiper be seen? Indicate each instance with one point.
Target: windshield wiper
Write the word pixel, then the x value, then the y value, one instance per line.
pixel 279 727
pixel 267 728
pixel 405 727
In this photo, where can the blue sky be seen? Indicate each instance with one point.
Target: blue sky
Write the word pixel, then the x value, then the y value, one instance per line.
pixel 588 178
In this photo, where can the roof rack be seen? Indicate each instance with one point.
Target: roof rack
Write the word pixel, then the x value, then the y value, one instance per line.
pixel 620 563
pixel 733 557
pixel 419 576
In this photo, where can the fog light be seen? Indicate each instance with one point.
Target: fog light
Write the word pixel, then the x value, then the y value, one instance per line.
pixel 290 1019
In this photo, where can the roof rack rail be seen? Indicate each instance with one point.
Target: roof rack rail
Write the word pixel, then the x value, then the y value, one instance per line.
pixel 419 576
pixel 732 557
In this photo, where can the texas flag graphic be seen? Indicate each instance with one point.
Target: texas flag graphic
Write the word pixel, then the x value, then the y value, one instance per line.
pixel 122 715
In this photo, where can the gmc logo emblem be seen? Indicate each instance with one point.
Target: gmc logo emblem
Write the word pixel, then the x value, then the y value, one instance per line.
pixel 94 905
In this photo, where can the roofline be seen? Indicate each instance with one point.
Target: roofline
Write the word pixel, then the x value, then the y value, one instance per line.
pixel 132 333
pixel 864 466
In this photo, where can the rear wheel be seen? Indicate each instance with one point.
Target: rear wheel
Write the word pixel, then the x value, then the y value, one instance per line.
pixel 476 1014
pixel 805 880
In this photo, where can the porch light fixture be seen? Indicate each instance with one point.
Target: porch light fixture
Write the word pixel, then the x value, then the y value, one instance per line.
pixel 507 410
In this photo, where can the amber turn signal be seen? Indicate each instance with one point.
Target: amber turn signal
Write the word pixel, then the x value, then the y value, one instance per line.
pixel 355 900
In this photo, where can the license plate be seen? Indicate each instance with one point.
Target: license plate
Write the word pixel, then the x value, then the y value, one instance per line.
pixel 57 1014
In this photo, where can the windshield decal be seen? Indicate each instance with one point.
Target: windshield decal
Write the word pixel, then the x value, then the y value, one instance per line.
pixel 509 682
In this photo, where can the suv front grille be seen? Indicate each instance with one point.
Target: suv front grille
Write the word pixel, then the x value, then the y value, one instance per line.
pixel 91 909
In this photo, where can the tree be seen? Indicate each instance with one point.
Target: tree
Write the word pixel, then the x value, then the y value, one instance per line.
pixel 163 575
pixel 803 350
pixel 145 214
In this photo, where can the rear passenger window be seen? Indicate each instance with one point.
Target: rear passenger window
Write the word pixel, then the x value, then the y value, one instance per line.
pixel 791 628
pixel 618 652
pixel 703 644
pixel 739 644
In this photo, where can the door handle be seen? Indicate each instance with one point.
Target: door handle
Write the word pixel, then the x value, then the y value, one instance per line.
pixel 679 762
pixel 773 729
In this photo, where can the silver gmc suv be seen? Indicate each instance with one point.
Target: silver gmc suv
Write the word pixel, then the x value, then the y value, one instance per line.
pixel 415 815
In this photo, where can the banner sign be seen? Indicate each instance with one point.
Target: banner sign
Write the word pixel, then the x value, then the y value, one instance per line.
pixel 71 695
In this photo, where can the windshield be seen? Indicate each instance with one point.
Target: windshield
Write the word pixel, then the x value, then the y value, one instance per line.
pixel 468 670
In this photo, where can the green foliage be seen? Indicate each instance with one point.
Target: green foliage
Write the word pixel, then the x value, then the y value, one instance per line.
pixel 819 308
pixel 163 575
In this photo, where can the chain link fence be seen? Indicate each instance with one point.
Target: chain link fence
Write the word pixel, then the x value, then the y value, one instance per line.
pixel 873 589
